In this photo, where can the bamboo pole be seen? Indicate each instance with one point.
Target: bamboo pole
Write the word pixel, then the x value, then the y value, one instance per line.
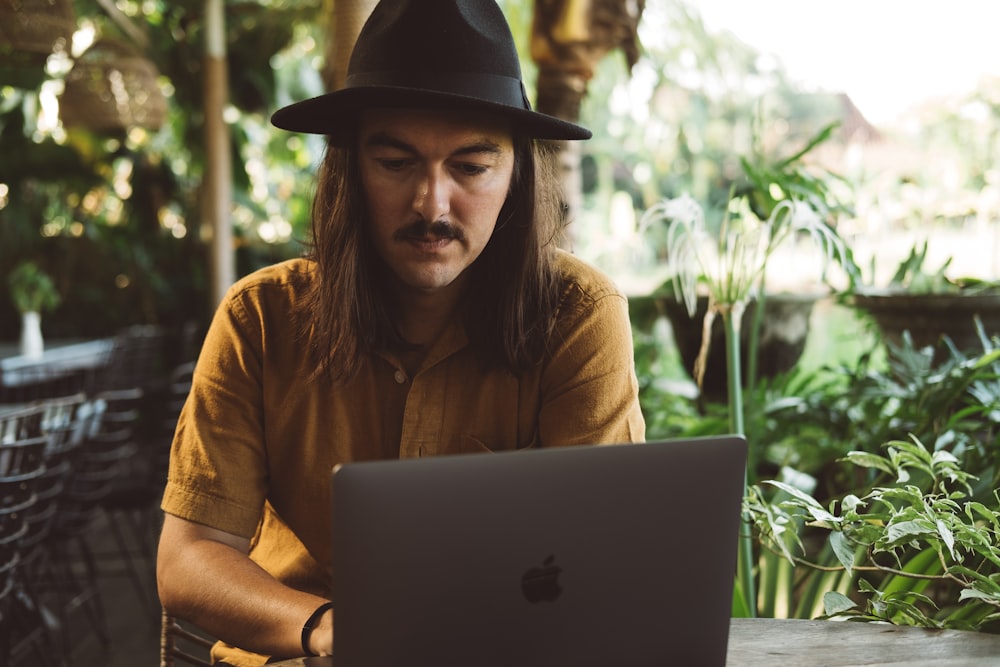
pixel 218 184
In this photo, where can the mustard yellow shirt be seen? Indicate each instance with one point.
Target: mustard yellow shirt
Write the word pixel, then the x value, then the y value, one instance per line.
pixel 256 441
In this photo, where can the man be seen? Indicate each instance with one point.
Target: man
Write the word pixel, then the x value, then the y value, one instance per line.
pixel 435 315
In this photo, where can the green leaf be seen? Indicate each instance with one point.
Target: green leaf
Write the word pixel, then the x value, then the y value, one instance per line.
pixel 836 603
pixel 910 495
pixel 843 549
pixel 973 508
pixel 867 460
pixel 905 531
pixel 946 536
pixel 807 501
pixel 823 518
pixel 943 456
pixel 739 609
pixel 973 594
pixel 851 503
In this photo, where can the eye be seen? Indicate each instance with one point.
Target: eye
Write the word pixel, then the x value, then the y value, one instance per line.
pixel 393 164
pixel 469 169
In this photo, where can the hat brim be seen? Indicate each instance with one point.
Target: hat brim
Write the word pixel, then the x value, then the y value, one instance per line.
pixel 334 114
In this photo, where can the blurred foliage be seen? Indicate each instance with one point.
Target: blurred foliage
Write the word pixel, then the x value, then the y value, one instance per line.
pixel 116 219
pixel 702 114
pixel 912 276
pixel 699 100
pixel 115 216
pixel 31 289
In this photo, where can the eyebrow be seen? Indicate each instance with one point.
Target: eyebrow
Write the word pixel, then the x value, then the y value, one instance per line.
pixel 386 140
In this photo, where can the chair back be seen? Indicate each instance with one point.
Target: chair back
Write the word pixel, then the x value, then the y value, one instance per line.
pixel 33 381
pixel 22 463
pixel 64 423
pixel 108 443
pixel 182 645
pixel 136 359
pixel 65 419
pixel 22 456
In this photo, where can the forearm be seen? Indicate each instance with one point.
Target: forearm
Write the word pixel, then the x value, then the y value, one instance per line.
pixel 217 587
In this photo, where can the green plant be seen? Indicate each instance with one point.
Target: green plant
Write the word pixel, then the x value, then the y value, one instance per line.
pixel 732 266
pixel 732 269
pixel 31 289
pixel 806 422
pixel 825 431
pixel 777 198
pixel 922 550
pixel 912 276
pixel 770 181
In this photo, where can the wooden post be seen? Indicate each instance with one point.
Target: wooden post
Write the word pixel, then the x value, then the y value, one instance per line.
pixel 218 184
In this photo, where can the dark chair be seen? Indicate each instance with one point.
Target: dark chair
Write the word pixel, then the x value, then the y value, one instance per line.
pixel 9 560
pixel 72 572
pixel 133 503
pixel 136 359
pixel 64 423
pixel 40 381
pixel 22 464
pixel 181 644
pixel 130 501
pixel 137 364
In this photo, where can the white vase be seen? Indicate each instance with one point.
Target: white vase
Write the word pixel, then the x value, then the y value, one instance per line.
pixel 32 344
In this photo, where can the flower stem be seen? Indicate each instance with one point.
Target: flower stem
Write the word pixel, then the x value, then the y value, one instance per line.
pixel 744 570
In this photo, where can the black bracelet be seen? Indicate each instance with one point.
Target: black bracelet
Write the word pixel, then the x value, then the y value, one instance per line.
pixel 310 624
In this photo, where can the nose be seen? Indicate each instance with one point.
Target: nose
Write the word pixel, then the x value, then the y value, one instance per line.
pixel 431 199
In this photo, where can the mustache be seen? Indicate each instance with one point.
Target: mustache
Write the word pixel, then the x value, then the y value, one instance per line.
pixel 420 229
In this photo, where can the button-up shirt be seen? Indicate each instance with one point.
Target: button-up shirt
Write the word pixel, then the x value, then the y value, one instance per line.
pixel 257 439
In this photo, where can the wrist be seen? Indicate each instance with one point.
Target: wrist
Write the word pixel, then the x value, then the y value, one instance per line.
pixel 314 631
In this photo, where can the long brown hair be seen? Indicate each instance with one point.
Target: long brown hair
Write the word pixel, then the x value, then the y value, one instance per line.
pixel 514 285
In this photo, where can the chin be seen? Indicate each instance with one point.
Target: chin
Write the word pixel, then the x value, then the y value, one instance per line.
pixel 425 282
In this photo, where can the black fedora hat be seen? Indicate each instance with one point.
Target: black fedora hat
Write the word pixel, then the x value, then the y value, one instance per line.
pixel 429 53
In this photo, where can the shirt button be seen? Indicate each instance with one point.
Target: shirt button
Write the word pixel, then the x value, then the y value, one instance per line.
pixel 400 377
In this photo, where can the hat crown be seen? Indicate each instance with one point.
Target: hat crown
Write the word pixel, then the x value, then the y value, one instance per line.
pixel 403 38
pixel 455 54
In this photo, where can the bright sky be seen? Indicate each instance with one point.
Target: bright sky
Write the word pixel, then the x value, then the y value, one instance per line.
pixel 885 54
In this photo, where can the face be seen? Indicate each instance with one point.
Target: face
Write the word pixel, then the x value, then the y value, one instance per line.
pixel 434 183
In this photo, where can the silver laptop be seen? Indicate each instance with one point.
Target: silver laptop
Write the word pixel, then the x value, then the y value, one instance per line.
pixel 588 555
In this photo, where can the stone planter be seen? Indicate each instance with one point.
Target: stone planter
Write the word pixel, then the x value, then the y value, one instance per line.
pixel 930 317
pixel 783 335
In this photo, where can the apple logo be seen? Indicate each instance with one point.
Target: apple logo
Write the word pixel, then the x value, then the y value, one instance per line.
pixel 542 583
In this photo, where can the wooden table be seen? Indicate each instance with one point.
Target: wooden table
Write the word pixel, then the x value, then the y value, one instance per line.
pixel 59 357
pixel 796 643
pixel 65 367
pixel 768 642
